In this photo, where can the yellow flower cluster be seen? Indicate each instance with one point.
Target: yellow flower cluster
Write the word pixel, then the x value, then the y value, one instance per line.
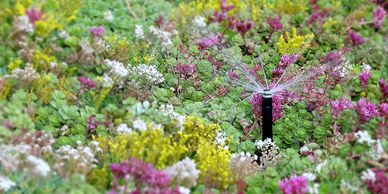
pixel 287 6
pixel 213 162
pixel 294 43
pixel 44 87
pixel 41 60
pixel 14 64
pixel 119 47
pixel 150 146
pixel 195 132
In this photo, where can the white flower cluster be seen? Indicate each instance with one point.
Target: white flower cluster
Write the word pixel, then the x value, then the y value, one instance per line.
pixel 199 22
pixel 141 125
pixel 309 176
pixel 368 175
pixel 149 72
pixel 26 74
pixel 364 138
pixel 366 67
pixel 376 148
pixel 5 184
pixel 320 166
pixel 220 140
pixel 107 80
pixel 123 128
pixel 139 32
pixel 108 16
pixel 116 68
pixel 269 153
pixel 81 159
pixel 183 173
pixel 168 110
pixel 38 166
pixel 346 187
pixel 18 157
pixel 22 24
pixel 163 36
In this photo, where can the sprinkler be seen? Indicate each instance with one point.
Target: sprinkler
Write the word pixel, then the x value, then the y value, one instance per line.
pixel 266 106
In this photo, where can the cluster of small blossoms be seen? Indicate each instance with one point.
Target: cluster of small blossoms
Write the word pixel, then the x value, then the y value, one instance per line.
pixel 97 31
pixel 243 164
pixel 383 88
pixel 339 106
pixel 364 78
pixel 378 16
pixel 108 16
pixel 199 22
pixel 377 149
pixel 76 160
pixel 366 110
pixel 312 151
pixel 220 140
pixel 346 187
pixel 275 24
pixel 141 125
pixel 183 173
pixel 6 184
pixel 163 36
pixel 40 142
pixel 149 72
pixel 17 158
pixel 116 68
pixel 294 185
pixel 123 129
pixel 22 24
pixel 86 84
pixel 313 187
pixel 147 179
pixel 185 70
pixel 139 31
pixel 27 74
pixel 376 180
pixel 207 42
pixel 267 152
pixel 285 61
pixel 168 110
pixel 355 38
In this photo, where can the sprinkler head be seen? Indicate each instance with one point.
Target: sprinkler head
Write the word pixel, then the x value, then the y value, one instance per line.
pixel 267 93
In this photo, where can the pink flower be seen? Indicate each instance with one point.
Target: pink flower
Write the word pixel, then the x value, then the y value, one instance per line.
pixel 366 110
pixel 294 185
pixel 356 38
pixel 275 24
pixel 86 82
pixel 277 72
pixel 287 60
pixel 34 15
pixel 383 88
pixel 185 69
pixel 380 184
pixel 243 28
pixel 383 108
pixel 378 16
pixel 317 17
pixel 334 58
pixel 339 106
pixel 364 78
pixel 97 31
pixel 205 43
pixel 232 75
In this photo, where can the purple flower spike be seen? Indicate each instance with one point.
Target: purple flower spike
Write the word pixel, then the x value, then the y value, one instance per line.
pixel 205 43
pixel 364 78
pixel 294 185
pixel 356 38
pixel 366 110
pixel 243 28
pixel 34 15
pixel 383 88
pixel 86 82
pixel 275 24
pixel 339 106
pixel 97 31
pixel 378 17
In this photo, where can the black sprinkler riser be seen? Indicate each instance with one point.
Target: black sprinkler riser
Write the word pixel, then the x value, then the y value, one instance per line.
pixel 267 115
